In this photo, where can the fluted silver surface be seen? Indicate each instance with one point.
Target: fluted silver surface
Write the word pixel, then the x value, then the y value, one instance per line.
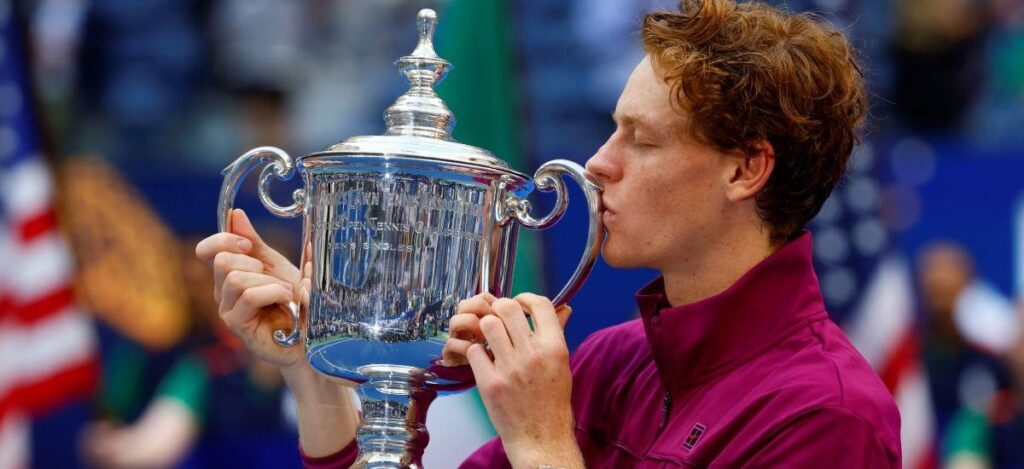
pixel 394 252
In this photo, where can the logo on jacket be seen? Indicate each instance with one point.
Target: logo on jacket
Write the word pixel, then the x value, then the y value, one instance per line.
pixel 694 437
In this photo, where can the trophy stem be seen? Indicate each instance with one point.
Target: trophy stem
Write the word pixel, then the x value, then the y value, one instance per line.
pixel 393 433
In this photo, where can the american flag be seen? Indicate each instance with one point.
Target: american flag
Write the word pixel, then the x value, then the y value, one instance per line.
pixel 47 344
pixel 868 287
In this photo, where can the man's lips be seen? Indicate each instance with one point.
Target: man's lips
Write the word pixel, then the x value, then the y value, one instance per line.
pixel 607 214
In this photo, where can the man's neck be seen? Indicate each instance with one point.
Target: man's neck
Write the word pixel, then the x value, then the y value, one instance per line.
pixel 716 267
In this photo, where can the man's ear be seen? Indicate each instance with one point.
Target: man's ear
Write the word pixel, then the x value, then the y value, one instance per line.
pixel 749 171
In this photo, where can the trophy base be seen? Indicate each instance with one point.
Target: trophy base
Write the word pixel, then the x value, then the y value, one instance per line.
pixel 393 431
pixel 381 461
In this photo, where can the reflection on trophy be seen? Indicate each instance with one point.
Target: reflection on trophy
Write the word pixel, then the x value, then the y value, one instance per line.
pixel 398 229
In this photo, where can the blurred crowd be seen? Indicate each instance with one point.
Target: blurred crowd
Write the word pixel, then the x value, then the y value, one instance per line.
pixel 973 354
pixel 142 102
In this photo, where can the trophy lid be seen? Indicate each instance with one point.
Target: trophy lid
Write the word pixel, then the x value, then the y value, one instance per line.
pixel 419 124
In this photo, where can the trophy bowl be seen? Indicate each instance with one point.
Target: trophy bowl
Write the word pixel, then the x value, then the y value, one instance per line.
pixel 397 229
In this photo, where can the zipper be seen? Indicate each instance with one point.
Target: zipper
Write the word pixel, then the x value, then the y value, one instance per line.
pixel 666 408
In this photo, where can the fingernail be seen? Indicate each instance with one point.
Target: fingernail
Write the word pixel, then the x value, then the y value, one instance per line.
pixel 244 244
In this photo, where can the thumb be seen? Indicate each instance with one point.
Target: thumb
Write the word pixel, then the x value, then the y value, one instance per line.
pixel 241 226
pixel 273 262
pixel 563 312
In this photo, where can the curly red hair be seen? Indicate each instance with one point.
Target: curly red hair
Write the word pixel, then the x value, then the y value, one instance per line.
pixel 749 73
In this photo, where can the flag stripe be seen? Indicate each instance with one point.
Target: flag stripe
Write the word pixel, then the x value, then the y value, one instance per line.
pixel 917 421
pixel 26 190
pixel 45 306
pixel 884 313
pixel 37 225
pixel 59 388
pixel 33 353
pixel 901 362
pixel 38 268
pixel 883 330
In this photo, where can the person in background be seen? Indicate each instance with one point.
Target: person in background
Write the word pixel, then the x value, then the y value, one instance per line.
pixel 987 433
pixel 975 380
pixel 205 403
pixel 945 274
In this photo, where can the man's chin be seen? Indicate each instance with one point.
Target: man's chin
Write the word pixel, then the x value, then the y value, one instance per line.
pixel 619 259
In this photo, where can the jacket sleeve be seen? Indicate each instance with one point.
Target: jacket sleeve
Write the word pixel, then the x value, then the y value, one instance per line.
pixel 340 460
pixel 490 455
pixel 829 437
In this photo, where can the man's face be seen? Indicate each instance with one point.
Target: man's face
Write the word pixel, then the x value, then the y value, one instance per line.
pixel 664 191
pixel 944 271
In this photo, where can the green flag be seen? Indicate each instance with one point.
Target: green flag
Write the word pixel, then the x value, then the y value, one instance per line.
pixel 483 92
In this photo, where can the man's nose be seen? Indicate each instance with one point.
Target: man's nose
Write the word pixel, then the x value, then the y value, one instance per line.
pixel 600 164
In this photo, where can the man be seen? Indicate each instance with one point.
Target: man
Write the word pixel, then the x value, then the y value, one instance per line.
pixel 731 133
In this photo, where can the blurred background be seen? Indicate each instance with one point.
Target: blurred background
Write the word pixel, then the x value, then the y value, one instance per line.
pixel 116 117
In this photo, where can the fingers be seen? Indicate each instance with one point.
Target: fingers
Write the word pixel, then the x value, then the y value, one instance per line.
pixel 457 346
pixel 479 305
pixel 252 300
pixel 512 315
pixel 454 351
pixel 272 260
pixel 226 262
pixel 237 282
pixel 208 248
pixel 497 338
pixel 465 326
pixel 240 225
pixel 480 363
pixel 543 313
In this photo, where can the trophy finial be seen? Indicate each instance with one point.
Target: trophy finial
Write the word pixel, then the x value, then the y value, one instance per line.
pixel 426 22
pixel 420 111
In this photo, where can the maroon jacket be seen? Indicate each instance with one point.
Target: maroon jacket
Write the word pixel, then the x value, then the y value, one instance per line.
pixel 755 376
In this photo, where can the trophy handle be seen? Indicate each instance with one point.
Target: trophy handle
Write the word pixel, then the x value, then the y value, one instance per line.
pixel 549 178
pixel 281 166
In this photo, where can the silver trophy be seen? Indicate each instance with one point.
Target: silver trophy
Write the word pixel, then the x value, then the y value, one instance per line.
pixel 398 229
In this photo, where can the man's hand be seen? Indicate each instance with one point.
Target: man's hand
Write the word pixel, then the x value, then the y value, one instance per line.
pixel 464 327
pixel 524 377
pixel 253 282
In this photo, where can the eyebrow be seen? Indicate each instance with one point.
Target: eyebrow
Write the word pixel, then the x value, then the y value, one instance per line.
pixel 633 119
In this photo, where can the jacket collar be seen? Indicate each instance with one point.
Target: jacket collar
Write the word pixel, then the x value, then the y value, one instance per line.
pixel 698 341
